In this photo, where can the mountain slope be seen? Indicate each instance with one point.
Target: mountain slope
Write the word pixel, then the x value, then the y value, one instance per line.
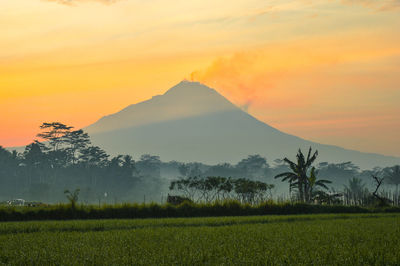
pixel 192 122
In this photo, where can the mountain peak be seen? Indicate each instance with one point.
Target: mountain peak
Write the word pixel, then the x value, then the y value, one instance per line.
pixel 189 87
pixel 195 95
pixel 186 99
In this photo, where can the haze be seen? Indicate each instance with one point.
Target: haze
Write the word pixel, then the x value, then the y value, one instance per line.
pixel 327 71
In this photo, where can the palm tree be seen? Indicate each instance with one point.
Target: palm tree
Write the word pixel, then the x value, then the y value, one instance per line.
pixel 393 176
pixel 72 197
pixel 298 178
pixel 314 182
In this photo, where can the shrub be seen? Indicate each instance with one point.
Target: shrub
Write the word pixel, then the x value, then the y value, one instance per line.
pixel 185 209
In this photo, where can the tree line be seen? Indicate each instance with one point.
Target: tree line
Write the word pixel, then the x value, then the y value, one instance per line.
pixel 66 159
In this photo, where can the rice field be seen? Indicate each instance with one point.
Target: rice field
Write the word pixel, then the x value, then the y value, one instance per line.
pixel 330 239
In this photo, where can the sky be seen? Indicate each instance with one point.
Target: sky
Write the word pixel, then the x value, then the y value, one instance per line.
pixel 326 70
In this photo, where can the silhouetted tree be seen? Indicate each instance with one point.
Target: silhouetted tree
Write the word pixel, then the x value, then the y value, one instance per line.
pixel 176 200
pixel 338 171
pixel 72 197
pixel 9 164
pixel 93 156
pixel 149 165
pixel 249 191
pixel 382 201
pixel 298 177
pixel 36 162
pixel 55 131
pixel 328 197
pixel 76 141
pixel 121 176
pixel 314 183
pixel 93 159
pixel 187 186
pixel 253 166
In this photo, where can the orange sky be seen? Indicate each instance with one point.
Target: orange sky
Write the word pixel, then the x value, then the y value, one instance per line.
pixel 327 70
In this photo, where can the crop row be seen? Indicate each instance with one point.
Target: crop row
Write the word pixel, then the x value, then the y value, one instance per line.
pixel 361 239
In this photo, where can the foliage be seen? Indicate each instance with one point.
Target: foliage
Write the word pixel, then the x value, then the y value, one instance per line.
pixel 301 178
pixel 72 197
pixel 213 188
pixel 176 200
pixel 185 209
pixel 55 133
pixel 67 158
pixel 314 183
pixel 328 197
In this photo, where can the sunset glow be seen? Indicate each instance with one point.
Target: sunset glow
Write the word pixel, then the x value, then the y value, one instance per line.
pixel 327 71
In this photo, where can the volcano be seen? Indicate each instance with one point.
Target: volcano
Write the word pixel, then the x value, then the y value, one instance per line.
pixel 192 122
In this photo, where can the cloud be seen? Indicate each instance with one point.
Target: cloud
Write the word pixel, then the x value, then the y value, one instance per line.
pixel 74 2
pixel 294 74
pixel 377 5
pixel 253 77
pixel 231 75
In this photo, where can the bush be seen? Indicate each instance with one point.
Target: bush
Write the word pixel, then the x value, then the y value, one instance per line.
pixel 185 209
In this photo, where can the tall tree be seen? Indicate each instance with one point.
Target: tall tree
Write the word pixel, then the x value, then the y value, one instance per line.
pixel 35 161
pixel 149 165
pixel 94 159
pixel 298 177
pixel 253 166
pixel 77 141
pixel 9 162
pixel 94 156
pixel 315 183
pixel 338 171
pixel 54 133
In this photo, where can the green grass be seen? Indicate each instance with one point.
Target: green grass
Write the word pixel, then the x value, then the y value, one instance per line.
pixel 327 239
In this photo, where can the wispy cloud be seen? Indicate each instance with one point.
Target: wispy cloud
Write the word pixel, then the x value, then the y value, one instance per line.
pixel 377 5
pixel 74 2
